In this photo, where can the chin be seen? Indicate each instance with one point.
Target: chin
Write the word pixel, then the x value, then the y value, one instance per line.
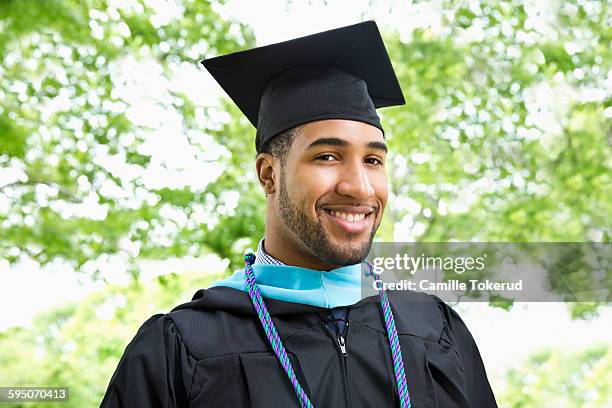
pixel 350 241
pixel 351 245
pixel 349 252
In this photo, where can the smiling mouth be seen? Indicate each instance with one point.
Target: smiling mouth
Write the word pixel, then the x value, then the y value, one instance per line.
pixel 357 221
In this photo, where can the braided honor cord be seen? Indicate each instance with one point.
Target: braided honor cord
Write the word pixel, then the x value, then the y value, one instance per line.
pixel 271 333
pixel 396 351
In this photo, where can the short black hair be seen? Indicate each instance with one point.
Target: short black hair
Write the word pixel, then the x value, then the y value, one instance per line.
pixel 279 145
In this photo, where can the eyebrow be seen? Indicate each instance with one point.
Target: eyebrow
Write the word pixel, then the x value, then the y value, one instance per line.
pixel 335 141
pixel 379 146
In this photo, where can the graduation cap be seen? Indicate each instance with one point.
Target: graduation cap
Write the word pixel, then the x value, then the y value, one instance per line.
pixel 343 73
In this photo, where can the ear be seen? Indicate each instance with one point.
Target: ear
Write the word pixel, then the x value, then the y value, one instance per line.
pixel 265 172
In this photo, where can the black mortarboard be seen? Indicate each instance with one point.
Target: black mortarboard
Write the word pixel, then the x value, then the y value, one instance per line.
pixel 337 74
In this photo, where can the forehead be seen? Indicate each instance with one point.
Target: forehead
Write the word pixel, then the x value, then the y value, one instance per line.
pixel 355 133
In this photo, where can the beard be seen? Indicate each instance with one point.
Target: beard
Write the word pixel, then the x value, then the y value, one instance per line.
pixel 314 236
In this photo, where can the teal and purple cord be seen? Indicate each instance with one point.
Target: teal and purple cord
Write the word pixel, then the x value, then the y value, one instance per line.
pixel 271 333
pixel 396 350
pixel 281 353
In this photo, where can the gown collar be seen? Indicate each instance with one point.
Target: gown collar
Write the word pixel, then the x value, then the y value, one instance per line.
pixel 326 289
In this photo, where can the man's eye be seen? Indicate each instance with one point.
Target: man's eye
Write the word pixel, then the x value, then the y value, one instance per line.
pixel 374 161
pixel 326 157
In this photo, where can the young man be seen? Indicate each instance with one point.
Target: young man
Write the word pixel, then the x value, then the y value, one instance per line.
pixel 291 328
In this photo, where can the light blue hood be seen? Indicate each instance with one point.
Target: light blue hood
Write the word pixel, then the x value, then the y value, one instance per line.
pixel 327 289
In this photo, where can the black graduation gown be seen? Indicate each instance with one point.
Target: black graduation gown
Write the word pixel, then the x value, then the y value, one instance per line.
pixel 212 352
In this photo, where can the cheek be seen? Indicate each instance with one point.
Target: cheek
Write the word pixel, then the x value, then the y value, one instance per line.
pixel 314 184
pixel 381 188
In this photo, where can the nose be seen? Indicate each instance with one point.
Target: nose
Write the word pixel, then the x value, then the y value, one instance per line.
pixel 355 182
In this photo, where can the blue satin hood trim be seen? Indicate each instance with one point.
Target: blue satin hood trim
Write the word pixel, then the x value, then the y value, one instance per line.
pixel 327 289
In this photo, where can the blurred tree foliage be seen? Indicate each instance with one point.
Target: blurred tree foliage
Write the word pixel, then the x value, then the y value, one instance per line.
pixel 505 137
pixel 556 378
pixel 63 119
pixel 506 131
pixel 506 134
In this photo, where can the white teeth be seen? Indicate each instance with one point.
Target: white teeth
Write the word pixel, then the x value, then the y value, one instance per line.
pixel 348 216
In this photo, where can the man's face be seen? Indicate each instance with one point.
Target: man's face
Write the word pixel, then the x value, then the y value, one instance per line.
pixel 333 189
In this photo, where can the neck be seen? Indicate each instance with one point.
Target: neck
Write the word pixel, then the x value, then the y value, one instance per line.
pixel 293 253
